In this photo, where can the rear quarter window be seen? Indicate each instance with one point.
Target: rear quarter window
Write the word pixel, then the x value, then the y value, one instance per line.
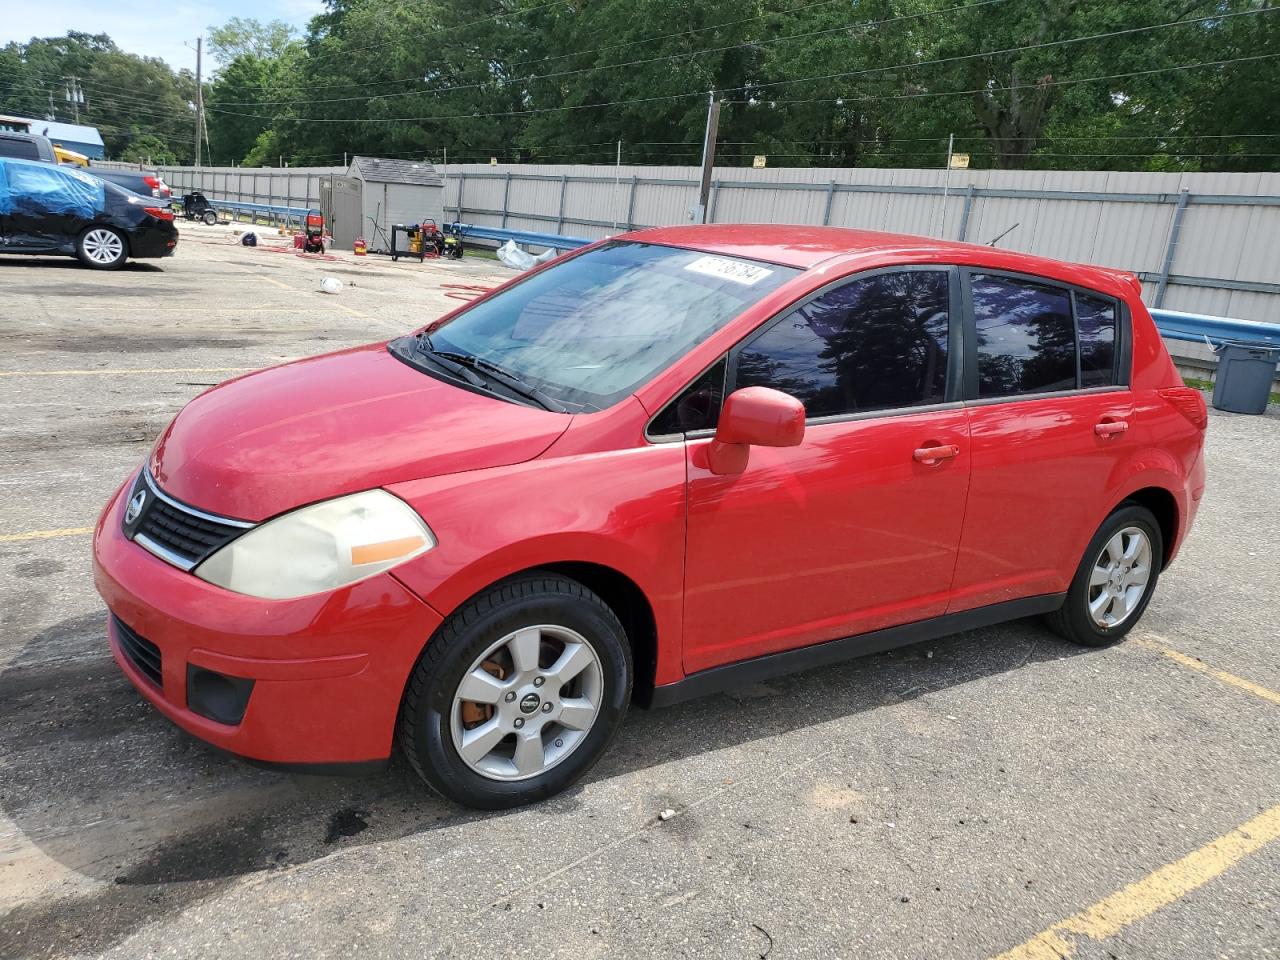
pixel 1096 323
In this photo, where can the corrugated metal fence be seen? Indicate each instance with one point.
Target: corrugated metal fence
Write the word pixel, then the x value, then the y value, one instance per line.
pixel 1201 242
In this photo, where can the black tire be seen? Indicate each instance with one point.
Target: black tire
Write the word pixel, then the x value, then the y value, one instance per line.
pixel 1074 621
pixel 93 246
pixel 209 217
pixel 425 732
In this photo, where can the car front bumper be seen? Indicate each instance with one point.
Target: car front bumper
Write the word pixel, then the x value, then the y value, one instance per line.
pixel 327 671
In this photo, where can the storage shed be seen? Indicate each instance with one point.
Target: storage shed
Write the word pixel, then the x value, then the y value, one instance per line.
pixel 377 193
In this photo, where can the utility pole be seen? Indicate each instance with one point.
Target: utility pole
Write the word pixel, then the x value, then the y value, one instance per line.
pixel 199 94
pixel 75 95
pixel 708 157
pixel 946 188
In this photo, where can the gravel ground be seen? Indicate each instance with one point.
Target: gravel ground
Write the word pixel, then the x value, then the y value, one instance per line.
pixel 949 800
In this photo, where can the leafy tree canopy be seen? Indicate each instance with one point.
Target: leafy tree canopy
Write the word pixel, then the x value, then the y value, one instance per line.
pixel 1020 84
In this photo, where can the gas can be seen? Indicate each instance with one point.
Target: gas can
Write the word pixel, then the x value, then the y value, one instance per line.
pixel 361 248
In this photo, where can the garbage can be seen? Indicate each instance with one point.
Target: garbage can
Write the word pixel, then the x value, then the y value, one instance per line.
pixel 1245 373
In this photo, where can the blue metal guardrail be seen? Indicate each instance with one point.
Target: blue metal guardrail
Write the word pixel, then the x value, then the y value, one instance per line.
pixel 1199 328
pixel 255 207
pixel 479 232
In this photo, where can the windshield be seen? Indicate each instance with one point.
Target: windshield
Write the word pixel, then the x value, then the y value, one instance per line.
pixel 592 329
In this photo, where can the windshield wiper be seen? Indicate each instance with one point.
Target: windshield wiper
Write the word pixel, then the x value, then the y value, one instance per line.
pixel 512 382
pixel 466 365
pixel 453 362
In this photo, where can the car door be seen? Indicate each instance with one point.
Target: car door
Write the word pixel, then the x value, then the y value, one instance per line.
pixel 48 206
pixel 857 528
pixel 1049 416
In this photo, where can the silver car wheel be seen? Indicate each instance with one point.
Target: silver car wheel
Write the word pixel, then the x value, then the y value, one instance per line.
pixel 527 702
pixel 1120 576
pixel 103 246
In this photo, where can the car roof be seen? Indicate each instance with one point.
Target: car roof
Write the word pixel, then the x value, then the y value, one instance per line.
pixel 70 171
pixel 805 247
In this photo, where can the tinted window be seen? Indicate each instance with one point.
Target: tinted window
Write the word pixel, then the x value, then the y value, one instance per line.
pixel 19 148
pixel 697 408
pixel 1026 340
pixel 1096 321
pixel 590 329
pixel 871 344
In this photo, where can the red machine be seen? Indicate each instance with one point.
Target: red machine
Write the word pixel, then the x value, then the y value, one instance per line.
pixel 313 238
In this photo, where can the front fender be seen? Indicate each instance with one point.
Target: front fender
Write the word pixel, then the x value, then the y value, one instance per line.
pixel 624 510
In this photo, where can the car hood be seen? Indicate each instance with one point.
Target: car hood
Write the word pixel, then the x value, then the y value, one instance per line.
pixel 273 440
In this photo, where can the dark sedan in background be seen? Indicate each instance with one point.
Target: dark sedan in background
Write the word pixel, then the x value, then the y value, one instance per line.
pixel 48 209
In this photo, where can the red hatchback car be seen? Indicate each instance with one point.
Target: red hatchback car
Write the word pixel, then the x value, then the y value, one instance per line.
pixel 667 463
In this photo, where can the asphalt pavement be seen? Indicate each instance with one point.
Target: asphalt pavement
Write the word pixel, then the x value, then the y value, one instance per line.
pixel 996 793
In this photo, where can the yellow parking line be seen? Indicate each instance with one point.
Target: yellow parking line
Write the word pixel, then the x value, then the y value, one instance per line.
pixel 278 283
pixel 113 371
pixel 44 534
pixel 1191 663
pixel 1137 901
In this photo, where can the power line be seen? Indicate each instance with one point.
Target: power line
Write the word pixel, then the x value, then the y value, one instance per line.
pixel 684 96
pixel 1018 86
pixel 575 53
pixel 690 54
pixel 1127 31
pixel 109 100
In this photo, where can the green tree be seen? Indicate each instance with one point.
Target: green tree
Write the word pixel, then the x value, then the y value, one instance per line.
pixel 247 37
pixel 148 149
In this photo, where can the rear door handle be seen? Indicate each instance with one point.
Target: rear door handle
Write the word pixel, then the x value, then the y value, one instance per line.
pixel 1110 428
pixel 928 455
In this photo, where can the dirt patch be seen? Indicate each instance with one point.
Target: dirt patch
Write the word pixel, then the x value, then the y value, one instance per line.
pixel 100 290
pixel 86 434
pixel 346 823
pixel 55 928
pixel 133 343
pixel 38 569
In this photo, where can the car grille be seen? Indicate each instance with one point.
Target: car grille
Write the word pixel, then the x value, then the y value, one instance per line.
pixel 143 654
pixel 173 531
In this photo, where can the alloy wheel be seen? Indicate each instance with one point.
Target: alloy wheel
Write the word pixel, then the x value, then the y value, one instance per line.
pixel 1119 577
pixel 103 246
pixel 527 702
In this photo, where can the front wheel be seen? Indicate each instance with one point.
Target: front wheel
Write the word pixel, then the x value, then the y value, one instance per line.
pixel 1115 580
pixel 102 248
pixel 518 694
pixel 209 217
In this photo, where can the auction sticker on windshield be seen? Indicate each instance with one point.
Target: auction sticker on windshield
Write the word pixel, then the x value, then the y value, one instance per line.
pixel 735 270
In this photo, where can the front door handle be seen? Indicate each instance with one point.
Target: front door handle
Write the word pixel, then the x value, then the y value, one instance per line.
pixel 934 454
pixel 1111 428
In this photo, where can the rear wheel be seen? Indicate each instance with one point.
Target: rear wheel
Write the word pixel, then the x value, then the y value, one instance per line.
pixel 518 694
pixel 102 248
pixel 209 217
pixel 1115 580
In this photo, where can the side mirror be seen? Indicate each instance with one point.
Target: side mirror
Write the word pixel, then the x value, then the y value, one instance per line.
pixel 754 416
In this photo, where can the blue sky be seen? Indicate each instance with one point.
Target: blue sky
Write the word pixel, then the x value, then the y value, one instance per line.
pixel 154 29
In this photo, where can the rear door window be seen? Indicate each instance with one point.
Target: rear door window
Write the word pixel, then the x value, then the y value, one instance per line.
pixel 1096 323
pixel 871 344
pixel 1025 336
pixel 19 148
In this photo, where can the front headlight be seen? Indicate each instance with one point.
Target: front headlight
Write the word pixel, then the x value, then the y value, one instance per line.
pixel 320 547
